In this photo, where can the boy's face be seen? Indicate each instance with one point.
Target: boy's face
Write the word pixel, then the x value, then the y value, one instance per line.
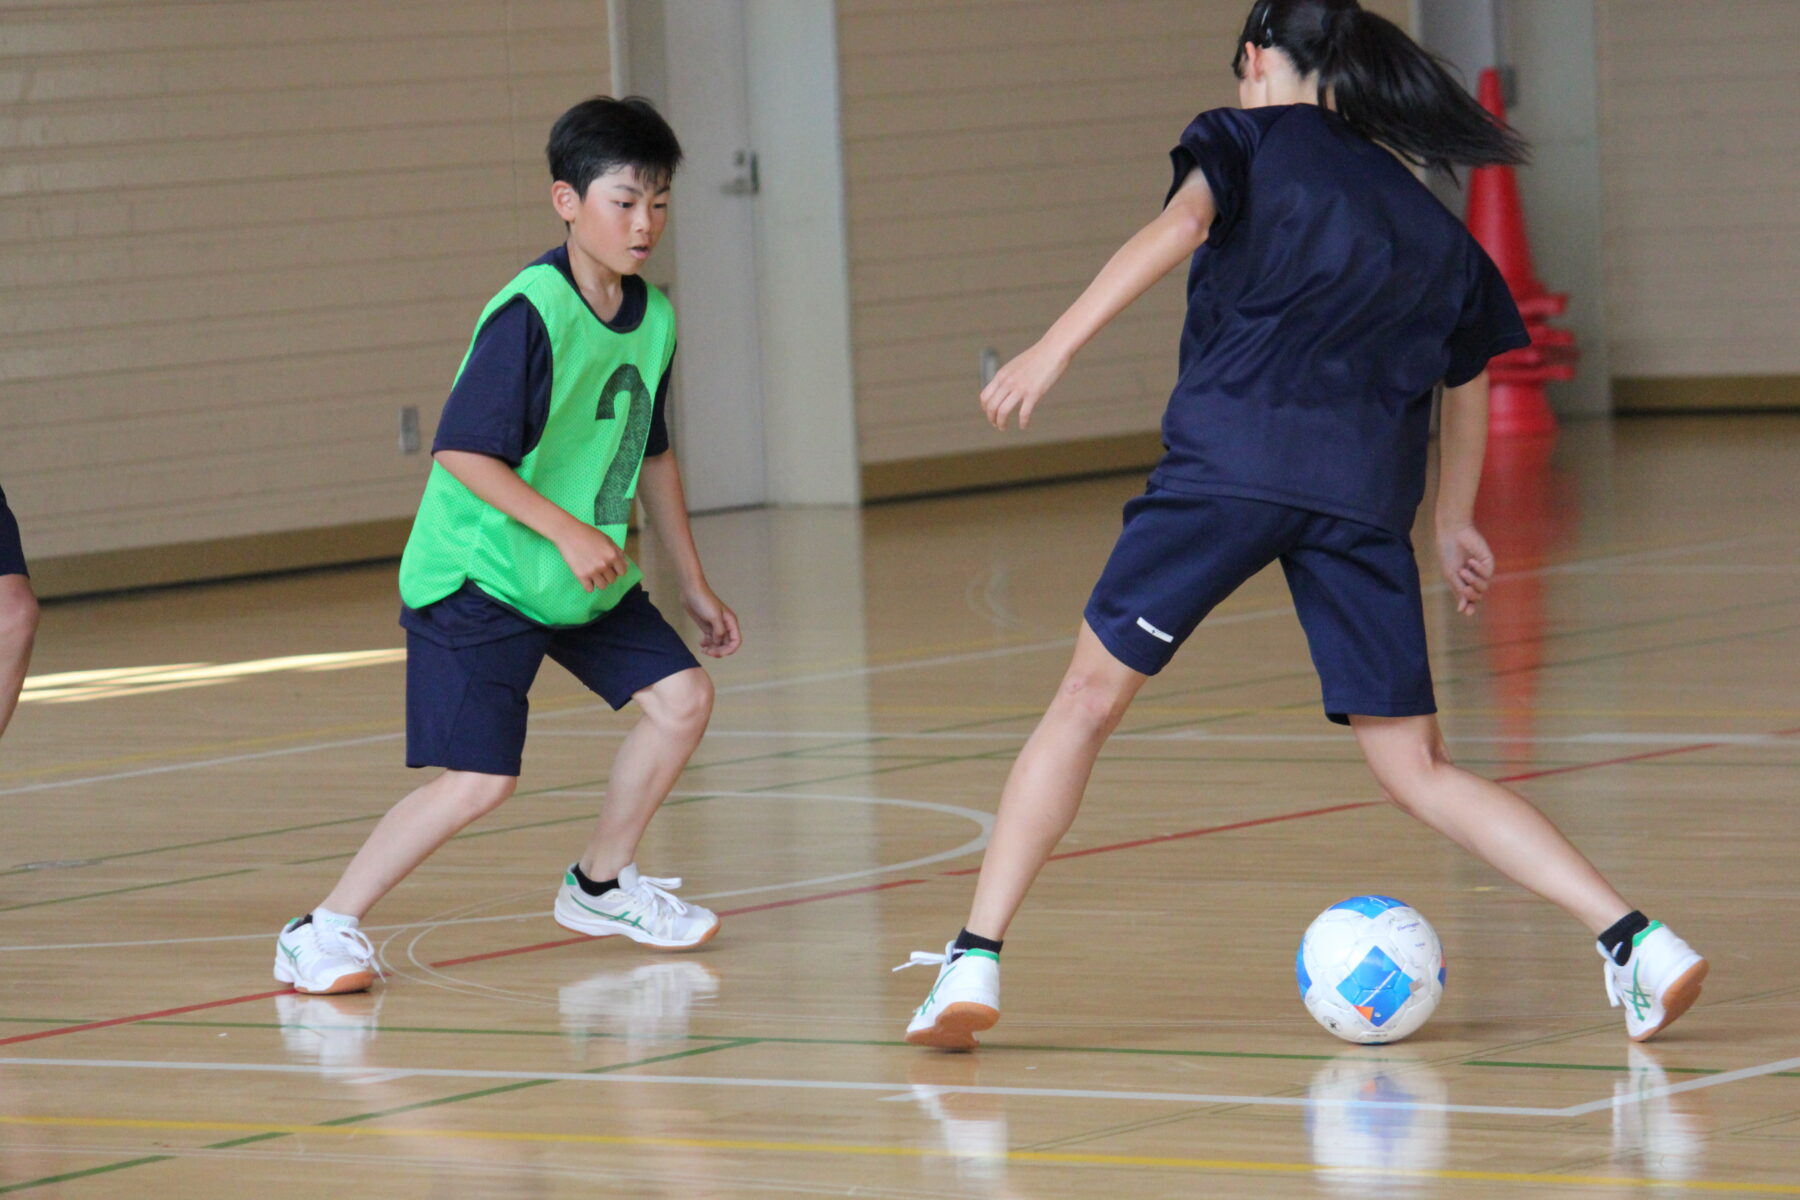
pixel 619 221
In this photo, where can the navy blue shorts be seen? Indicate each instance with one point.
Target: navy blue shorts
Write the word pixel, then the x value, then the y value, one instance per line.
pixel 1355 587
pixel 12 552
pixel 466 706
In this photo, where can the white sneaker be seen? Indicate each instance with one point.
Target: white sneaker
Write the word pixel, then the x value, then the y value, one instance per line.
pixel 324 960
pixel 642 908
pixel 964 1001
pixel 1658 983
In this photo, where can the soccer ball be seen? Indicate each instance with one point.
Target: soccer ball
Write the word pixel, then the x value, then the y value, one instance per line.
pixel 1370 969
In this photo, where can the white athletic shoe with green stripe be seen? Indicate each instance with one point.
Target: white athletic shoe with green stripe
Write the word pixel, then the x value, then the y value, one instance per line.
pixel 324 960
pixel 642 908
pixel 963 1002
pixel 1660 981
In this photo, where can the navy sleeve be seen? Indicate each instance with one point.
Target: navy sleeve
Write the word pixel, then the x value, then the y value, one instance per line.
pixel 1220 142
pixel 658 441
pixel 502 398
pixel 1489 325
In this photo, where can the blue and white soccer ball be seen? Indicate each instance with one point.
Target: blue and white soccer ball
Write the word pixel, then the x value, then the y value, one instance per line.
pixel 1370 969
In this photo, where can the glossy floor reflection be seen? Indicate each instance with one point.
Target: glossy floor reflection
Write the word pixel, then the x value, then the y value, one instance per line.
pixel 204 761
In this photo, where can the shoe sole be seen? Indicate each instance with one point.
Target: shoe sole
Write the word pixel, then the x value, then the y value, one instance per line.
pixel 956 1027
pixel 642 941
pixel 1679 997
pixel 356 981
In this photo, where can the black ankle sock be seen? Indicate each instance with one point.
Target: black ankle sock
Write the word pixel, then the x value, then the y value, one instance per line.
pixel 588 886
pixel 1617 938
pixel 974 941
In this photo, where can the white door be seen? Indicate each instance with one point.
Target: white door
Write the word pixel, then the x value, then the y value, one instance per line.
pixel 717 391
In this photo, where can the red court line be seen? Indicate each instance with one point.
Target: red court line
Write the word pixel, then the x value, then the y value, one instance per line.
pixel 149 1016
pixel 729 912
pixel 1613 762
pixel 1167 837
pixel 1193 833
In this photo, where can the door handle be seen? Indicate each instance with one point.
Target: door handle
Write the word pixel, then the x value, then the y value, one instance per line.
pixel 749 182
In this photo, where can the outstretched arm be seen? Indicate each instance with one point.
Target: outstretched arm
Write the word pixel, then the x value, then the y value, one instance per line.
pixel 1152 252
pixel 1467 562
pixel 665 504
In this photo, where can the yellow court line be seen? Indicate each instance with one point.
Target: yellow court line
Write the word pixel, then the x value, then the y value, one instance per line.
pixel 1039 1157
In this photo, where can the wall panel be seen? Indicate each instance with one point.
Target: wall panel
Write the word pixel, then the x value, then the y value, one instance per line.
pixel 1700 121
pixel 235 239
pixel 996 154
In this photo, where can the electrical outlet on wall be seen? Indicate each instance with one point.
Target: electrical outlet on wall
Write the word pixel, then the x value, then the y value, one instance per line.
pixel 409 429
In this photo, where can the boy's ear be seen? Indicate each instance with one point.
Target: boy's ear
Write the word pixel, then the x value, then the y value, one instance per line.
pixel 565 200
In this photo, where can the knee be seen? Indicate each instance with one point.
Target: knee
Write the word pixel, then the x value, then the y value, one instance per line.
pixel 18 617
pixel 1087 701
pixel 1406 772
pixel 682 703
pixel 478 795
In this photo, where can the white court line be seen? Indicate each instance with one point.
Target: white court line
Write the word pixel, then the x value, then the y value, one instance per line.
pixel 195 764
pixel 891 1090
pixel 904 665
pixel 984 820
pixel 886 1089
pixel 1691 1085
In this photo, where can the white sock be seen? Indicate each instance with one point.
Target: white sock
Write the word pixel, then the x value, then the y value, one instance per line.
pixel 324 916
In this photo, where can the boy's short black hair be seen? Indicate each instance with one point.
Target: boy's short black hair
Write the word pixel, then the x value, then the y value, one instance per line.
pixel 602 134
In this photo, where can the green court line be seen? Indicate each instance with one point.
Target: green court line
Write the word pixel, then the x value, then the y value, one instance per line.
pixel 1613 655
pixel 772 787
pixel 1151 702
pixel 218 841
pixel 359 1118
pixel 945 760
pixel 66 1176
pixel 1450 652
pixel 142 887
pixel 1483 1062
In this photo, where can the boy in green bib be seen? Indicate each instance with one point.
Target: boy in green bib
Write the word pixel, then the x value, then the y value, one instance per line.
pixel 555 424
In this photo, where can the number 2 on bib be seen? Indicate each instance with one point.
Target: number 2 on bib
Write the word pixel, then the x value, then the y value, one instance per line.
pixel 612 505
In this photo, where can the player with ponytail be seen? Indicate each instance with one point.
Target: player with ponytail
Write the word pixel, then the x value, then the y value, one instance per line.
pixel 1329 296
pixel 1385 85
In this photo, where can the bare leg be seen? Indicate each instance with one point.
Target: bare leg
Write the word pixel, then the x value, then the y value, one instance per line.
pixel 411 831
pixel 651 758
pixel 1497 825
pixel 18 627
pixel 1045 787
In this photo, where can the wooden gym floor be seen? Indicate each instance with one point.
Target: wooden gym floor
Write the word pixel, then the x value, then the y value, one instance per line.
pixel 193 766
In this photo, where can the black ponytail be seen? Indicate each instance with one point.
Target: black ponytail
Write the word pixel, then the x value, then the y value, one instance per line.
pixel 1384 84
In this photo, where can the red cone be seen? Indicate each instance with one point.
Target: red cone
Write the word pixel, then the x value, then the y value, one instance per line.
pixel 1497 220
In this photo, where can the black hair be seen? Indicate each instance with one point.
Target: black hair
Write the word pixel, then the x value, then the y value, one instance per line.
pixel 1385 85
pixel 602 134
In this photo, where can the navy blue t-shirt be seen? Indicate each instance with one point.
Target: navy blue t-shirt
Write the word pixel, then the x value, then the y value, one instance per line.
pixel 498 407
pixel 1333 292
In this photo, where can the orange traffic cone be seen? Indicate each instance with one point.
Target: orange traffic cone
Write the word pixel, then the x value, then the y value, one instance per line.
pixel 1497 220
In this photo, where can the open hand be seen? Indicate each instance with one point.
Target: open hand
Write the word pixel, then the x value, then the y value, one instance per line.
pixel 1468 565
pixel 1020 384
pixel 719 634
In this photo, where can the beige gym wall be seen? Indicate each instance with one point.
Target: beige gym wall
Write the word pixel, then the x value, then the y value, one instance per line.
pixel 996 153
pixel 1700 154
pixel 235 239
